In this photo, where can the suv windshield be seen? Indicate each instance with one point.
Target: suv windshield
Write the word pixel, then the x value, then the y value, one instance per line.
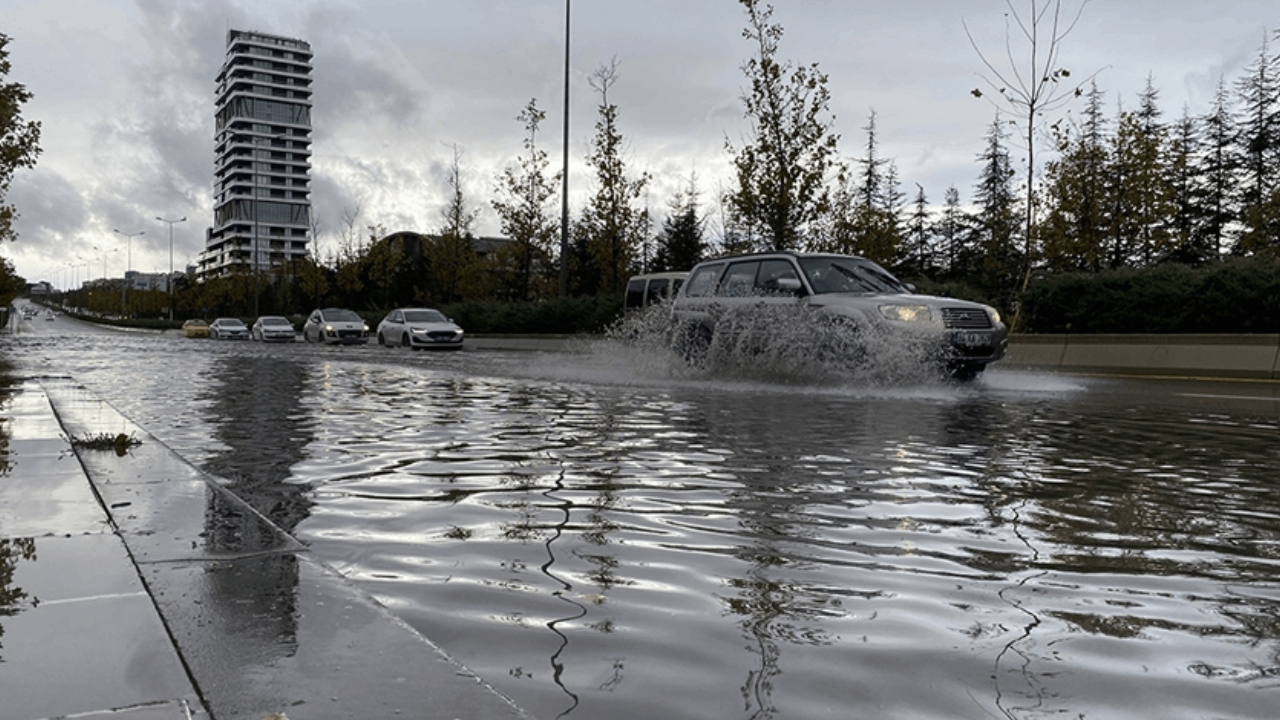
pixel 832 274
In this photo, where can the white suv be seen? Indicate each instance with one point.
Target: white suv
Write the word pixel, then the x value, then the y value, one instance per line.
pixel 843 303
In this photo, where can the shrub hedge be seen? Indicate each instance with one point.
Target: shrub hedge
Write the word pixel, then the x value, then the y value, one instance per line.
pixel 1237 295
pixel 559 316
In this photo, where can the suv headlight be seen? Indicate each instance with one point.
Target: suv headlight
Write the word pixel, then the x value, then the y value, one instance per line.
pixel 906 313
pixel 994 313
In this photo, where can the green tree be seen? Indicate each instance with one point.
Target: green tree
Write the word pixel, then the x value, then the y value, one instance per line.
pixel 312 279
pixel 954 230
pixel 919 236
pixel 19 141
pixel 455 267
pixel 680 243
pixel 997 219
pixel 524 210
pixel 382 263
pixel 1259 128
pixel 1185 225
pixel 864 215
pixel 782 169
pixel 1073 231
pixel 1259 139
pixel 1217 170
pixel 612 225
pixel 1140 196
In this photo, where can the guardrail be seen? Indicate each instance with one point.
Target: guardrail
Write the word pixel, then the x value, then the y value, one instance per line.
pixel 1253 357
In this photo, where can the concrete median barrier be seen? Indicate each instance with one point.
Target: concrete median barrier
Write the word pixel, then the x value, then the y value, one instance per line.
pixel 1252 357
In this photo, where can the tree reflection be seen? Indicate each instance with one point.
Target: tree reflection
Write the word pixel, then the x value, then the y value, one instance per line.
pixel 13 550
pixel 7 385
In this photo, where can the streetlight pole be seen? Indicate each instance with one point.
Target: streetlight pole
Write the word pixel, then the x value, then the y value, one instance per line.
pixel 564 175
pixel 168 283
pixel 128 264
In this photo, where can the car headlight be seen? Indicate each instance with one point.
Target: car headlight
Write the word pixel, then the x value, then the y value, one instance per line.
pixel 906 313
pixel 994 313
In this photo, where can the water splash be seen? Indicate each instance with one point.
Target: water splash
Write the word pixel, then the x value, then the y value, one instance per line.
pixel 790 344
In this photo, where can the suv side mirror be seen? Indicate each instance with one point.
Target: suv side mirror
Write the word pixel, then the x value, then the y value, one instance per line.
pixel 788 285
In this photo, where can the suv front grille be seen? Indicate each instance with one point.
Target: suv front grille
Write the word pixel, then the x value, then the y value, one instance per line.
pixel 965 319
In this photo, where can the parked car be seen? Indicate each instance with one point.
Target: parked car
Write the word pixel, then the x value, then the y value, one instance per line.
pixel 858 298
pixel 419 328
pixel 273 328
pixel 195 328
pixel 335 325
pixel 646 290
pixel 228 329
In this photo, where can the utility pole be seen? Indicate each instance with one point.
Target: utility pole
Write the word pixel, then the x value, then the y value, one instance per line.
pixel 128 265
pixel 564 175
pixel 168 283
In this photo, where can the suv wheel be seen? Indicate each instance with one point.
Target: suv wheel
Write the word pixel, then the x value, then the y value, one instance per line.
pixel 693 344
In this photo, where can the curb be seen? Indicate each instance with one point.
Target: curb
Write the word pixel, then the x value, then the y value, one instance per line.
pixel 262 627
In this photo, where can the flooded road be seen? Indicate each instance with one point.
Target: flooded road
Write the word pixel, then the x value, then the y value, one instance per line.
pixel 599 535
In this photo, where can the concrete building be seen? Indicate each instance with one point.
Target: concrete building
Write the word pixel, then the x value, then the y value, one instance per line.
pixel 149 281
pixel 262 170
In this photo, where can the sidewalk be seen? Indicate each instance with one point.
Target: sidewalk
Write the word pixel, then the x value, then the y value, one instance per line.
pixel 133 587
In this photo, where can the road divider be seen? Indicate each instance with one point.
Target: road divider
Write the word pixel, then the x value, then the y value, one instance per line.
pixel 1253 357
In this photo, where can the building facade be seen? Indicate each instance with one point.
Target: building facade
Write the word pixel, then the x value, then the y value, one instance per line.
pixel 262 168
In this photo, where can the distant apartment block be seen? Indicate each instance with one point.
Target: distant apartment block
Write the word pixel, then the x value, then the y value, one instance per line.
pixel 262 168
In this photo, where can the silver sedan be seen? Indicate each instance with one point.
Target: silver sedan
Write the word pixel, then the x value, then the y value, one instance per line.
pixel 273 328
pixel 420 329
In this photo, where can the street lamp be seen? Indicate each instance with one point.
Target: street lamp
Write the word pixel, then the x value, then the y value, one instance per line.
pixel 564 175
pixel 128 263
pixel 168 283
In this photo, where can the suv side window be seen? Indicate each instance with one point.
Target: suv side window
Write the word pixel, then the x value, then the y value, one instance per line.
pixel 739 280
pixel 657 291
pixel 703 281
pixel 635 295
pixel 771 271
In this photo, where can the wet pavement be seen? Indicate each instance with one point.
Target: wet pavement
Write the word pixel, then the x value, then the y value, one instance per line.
pixel 602 535
pixel 79 634
pixel 133 587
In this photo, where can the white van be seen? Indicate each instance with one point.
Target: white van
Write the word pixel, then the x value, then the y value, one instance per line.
pixel 645 290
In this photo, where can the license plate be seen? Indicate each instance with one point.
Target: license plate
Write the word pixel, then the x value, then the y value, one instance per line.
pixel 973 339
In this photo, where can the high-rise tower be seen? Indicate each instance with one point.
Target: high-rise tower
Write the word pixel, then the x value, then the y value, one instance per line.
pixel 262 172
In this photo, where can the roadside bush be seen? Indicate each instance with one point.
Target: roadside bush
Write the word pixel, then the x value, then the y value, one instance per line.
pixel 1238 295
pixel 566 316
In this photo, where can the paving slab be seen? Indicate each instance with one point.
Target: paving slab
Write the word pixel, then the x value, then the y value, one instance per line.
pixel 60 503
pixel 260 625
pixel 282 633
pixel 80 634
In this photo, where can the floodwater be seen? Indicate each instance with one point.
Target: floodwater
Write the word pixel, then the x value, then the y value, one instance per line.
pixel 604 536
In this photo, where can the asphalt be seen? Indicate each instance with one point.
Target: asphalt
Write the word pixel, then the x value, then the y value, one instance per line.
pixel 135 587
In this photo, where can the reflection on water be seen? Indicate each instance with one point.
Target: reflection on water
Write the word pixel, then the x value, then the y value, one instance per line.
pixel 599 538
pixel 14 599
pixel 255 407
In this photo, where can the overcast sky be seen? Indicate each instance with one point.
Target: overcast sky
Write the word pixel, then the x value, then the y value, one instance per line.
pixel 125 92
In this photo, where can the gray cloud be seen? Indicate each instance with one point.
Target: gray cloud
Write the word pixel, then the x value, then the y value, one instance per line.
pixel 125 89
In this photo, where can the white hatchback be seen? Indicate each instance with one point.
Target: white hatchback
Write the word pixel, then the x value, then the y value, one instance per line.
pixel 337 326
pixel 419 328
